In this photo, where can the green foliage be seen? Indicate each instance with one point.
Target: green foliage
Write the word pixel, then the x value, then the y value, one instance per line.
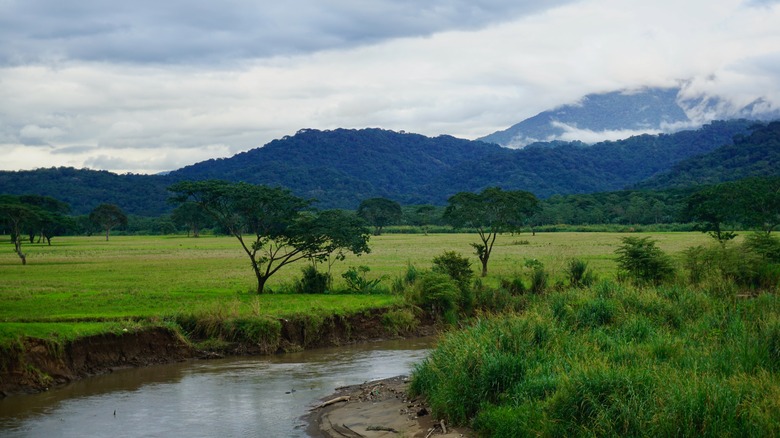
pixel 313 281
pixel 765 245
pixel 578 273
pixel 274 227
pixel 642 261
pixel 491 212
pixel 357 282
pixel 108 216
pixel 380 212
pixel 613 360
pixel 455 265
pixel 436 293
pixel 400 321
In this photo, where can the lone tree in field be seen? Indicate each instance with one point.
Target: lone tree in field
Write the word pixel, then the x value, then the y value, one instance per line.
pixel 491 212
pixel 273 226
pixel 108 216
pixel 380 212
pixel 16 216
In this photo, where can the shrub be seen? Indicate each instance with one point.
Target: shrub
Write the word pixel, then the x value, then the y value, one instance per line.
pixel 399 321
pixel 313 281
pixel 515 286
pixel 357 281
pixel 765 245
pixel 436 293
pixel 642 261
pixel 578 273
pixel 401 283
pixel 454 265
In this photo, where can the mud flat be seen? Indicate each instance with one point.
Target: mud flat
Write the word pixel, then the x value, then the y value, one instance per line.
pixel 378 408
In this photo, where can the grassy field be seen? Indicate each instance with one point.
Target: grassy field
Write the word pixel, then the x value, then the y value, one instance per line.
pixel 96 283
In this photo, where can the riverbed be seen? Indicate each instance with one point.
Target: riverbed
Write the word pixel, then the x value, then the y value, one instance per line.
pixel 238 397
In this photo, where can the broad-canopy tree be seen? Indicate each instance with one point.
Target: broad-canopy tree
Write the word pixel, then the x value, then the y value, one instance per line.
pixel 108 216
pixel 274 227
pixel 50 220
pixel 16 216
pixel 491 212
pixel 380 212
pixel 192 216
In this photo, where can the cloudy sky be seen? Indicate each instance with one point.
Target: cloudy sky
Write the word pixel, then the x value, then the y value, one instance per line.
pixel 148 85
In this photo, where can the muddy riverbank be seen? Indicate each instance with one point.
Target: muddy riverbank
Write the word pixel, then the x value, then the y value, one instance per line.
pixel 33 365
pixel 377 409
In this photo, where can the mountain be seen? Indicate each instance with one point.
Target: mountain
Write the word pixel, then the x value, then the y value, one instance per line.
pixel 620 113
pixel 344 166
pixel 756 154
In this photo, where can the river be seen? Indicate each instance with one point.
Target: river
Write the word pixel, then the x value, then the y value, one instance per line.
pixel 261 396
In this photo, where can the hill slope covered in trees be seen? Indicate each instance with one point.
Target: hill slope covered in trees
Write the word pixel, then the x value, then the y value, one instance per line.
pixel 342 167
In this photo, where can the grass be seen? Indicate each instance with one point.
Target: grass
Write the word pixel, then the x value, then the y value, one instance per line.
pixel 88 280
pixel 614 360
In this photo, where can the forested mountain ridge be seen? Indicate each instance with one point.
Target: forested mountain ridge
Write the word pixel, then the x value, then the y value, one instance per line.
pixel 754 155
pixel 344 166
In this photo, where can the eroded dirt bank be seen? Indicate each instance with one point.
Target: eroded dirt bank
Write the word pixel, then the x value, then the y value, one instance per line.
pixel 34 365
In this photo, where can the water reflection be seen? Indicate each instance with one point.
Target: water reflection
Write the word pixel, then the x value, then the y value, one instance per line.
pixel 261 396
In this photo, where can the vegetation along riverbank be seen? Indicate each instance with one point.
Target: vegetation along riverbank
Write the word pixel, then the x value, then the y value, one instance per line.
pixel 570 333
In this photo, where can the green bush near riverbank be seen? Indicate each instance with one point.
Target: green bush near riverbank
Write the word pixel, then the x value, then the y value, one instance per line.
pixel 615 360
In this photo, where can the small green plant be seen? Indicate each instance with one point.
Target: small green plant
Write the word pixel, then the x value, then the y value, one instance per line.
pixel 400 321
pixel 436 293
pixel 642 261
pixel 578 273
pixel 357 281
pixel 313 281
pixel 454 265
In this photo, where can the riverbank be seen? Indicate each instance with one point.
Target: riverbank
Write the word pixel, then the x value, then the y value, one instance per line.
pixel 33 365
pixel 377 409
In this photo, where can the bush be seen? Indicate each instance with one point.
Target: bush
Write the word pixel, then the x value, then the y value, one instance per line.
pixel 357 281
pixel 400 284
pixel 454 265
pixel 313 281
pixel 436 293
pixel 765 245
pixel 578 273
pixel 642 261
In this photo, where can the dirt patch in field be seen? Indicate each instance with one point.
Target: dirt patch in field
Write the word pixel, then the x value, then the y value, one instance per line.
pixel 377 409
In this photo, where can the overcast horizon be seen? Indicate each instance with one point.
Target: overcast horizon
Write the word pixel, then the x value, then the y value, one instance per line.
pixel 146 86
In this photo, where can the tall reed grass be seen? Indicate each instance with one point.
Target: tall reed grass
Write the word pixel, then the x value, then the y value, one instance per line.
pixel 614 360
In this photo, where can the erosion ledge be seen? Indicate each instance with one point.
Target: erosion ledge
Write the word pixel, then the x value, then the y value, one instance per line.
pixel 34 365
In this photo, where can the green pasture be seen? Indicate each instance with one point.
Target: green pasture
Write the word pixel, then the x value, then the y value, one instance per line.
pixel 144 278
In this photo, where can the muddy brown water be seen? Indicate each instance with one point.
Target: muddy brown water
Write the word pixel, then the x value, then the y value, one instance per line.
pixel 238 397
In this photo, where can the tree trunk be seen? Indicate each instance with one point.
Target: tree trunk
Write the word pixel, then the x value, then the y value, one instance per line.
pixel 108 230
pixel 484 265
pixel 261 279
pixel 18 248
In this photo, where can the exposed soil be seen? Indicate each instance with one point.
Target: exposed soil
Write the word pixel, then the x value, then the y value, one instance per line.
pixel 377 409
pixel 35 365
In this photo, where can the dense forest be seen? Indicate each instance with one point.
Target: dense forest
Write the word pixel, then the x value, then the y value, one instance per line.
pixel 340 168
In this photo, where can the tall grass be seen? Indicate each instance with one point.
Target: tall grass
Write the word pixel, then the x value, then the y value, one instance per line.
pixel 614 360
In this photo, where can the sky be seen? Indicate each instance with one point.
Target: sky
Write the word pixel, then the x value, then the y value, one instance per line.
pixel 149 86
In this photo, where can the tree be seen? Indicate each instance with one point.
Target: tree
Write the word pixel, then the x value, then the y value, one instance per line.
pixel 192 216
pixel 108 216
pixel 274 227
pixel 491 212
pixel 758 202
pixel 380 212
pixel 16 216
pixel 50 220
pixel 713 207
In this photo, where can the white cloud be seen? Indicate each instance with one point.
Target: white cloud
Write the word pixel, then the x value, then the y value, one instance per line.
pixel 465 70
